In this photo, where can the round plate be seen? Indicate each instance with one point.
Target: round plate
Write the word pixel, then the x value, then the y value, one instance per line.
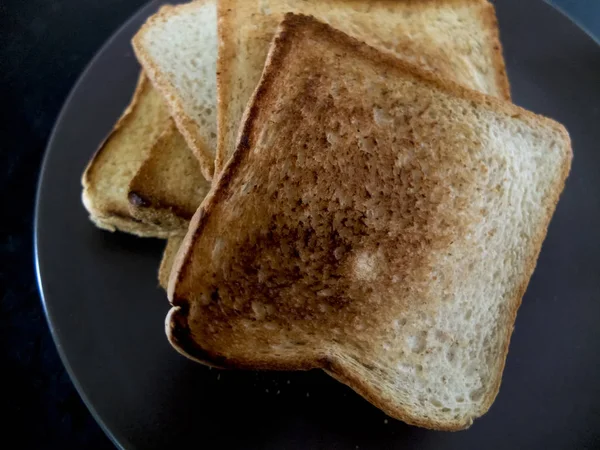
pixel 106 311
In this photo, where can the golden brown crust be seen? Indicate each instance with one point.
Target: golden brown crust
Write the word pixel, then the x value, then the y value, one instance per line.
pixel 129 225
pixel 110 215
pixel 166 262
pixel 292 30
pixel 226 53
pixel 489 17
pixel 187 127
pixel 88 178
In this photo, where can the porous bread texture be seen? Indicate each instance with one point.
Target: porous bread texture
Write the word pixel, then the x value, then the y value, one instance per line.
pixel 375 221
pixel 178 49
pixel 169 186
pixel 456 39
pixel 166 263
pixel 106 178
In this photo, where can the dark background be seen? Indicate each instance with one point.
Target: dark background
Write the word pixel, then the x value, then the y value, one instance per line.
pixel 44 46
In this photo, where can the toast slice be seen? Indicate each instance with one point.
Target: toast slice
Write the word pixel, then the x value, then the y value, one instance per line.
pixel 166 263
pixel 169 186
pixel 107 176
pixel 375 221
pixel 178 49
pixel 457 39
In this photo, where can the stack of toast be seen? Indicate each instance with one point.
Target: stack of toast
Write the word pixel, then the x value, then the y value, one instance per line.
pixel 344 185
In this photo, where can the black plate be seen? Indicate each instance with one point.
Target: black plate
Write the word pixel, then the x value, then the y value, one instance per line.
pixel 106 311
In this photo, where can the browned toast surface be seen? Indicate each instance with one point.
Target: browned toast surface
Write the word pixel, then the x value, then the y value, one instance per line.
pixel 375 221
pixel 169 186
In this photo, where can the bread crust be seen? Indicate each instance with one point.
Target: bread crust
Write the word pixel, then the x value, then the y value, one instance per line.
pixel 295 28
pixel 489 17
pixel 187 127
pixel 106 216
pixel 166 262
pixel 129 225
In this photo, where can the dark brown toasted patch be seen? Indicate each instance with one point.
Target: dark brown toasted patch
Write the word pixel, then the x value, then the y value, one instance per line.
pixel 137 200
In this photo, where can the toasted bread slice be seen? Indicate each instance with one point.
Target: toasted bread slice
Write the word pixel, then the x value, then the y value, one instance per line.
pixel 166 263
pixel 178 49
pixel 107 176
pixel 457 39
pixel 375 221
pixel 169 186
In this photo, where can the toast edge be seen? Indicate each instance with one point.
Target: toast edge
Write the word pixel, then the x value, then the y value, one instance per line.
pixel 491 20
pixel 186 126
pixel 166 262
pixel 177 328
pixel 113 220
pixel 127 225
pixel 225 53
pixel 124 119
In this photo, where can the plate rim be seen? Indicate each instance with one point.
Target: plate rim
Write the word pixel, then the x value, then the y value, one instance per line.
pixel 574 21
pixel 116 438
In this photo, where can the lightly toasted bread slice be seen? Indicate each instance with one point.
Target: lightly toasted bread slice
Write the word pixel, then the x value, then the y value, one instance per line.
pixel 178 49
pixel 107 176
pixel 375 221
pixel 169 186
pixel 457 39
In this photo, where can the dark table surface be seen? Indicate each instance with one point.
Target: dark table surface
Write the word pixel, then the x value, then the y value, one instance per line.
pixel 44 46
